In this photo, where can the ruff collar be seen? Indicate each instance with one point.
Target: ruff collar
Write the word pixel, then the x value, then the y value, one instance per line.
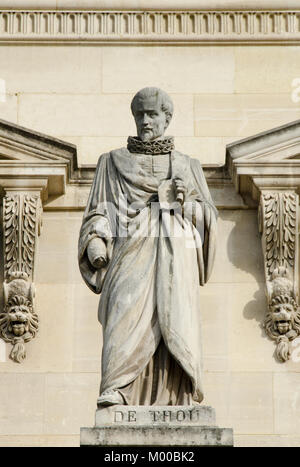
pixel 160 146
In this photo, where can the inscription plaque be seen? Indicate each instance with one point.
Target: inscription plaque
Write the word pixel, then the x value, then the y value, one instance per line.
pixel 149 415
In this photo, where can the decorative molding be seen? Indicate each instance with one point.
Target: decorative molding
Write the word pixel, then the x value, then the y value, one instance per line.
pixel 278 215
pixel 265 169
pixel 30 155
pixel 266 161
pixel 170 26
pixel 145 4
pixel 22 215
pixel 22 223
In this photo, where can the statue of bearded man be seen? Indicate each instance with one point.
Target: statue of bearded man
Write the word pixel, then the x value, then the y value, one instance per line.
pixel 146 243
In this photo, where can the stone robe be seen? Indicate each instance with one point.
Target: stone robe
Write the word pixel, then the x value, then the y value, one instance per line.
pixel 150 294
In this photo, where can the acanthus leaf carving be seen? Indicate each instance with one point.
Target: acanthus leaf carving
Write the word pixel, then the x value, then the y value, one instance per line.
pixel 30 220
pixel 11 231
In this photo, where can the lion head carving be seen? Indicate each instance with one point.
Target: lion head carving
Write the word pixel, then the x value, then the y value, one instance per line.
pixel 18 324
pixel 283 323
pixel 283 316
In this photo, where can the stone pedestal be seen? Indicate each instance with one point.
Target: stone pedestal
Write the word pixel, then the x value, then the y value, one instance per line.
pixel 156 426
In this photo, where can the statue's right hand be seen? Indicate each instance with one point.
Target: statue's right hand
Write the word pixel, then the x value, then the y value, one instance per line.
pixel 96 252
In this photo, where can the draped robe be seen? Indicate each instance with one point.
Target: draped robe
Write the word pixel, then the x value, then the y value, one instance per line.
pixel 150 287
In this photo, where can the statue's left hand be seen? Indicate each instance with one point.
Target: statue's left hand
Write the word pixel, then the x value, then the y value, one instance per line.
pixel 96 252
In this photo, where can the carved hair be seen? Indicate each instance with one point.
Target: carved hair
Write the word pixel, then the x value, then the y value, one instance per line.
pixel 166 101
pixel 283 299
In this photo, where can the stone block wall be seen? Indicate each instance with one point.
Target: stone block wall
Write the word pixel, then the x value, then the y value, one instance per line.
pixel 81 93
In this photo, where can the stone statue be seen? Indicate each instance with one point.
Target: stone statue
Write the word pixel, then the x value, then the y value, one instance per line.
pixel 147 241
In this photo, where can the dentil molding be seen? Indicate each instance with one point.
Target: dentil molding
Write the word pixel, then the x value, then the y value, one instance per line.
pixel 194 26
pixel 150 4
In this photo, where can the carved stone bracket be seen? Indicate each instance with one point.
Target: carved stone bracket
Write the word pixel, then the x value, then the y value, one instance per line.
pixel 266 172
pixel 34 169
pixel 278 222
pixel 22 215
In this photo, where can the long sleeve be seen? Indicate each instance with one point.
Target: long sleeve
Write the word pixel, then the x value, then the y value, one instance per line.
pixel 96 223
pixel 209 218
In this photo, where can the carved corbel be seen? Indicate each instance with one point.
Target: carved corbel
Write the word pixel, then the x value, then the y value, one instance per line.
pixel 278 220
pixel 265 170
pixel 22 214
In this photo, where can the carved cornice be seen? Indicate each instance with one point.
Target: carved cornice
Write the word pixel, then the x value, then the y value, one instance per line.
pixel 29 155
pixel 265 161
pixel 150 26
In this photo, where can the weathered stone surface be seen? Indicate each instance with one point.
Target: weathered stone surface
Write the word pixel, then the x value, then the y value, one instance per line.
pixel 155 415
pixel 125 425
pixel 156 436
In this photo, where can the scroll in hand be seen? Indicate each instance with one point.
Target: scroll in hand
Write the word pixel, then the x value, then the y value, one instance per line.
pixel 96 252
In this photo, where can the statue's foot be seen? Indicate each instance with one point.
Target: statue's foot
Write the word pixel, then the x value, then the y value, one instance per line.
pixel 110 397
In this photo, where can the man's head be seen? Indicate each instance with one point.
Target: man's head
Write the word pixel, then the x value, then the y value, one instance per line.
pixel 152 109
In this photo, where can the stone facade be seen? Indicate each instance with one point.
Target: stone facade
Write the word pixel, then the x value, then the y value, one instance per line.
pixel 76 92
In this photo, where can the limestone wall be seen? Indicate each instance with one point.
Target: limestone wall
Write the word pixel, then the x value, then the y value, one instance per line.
pixel 81 93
